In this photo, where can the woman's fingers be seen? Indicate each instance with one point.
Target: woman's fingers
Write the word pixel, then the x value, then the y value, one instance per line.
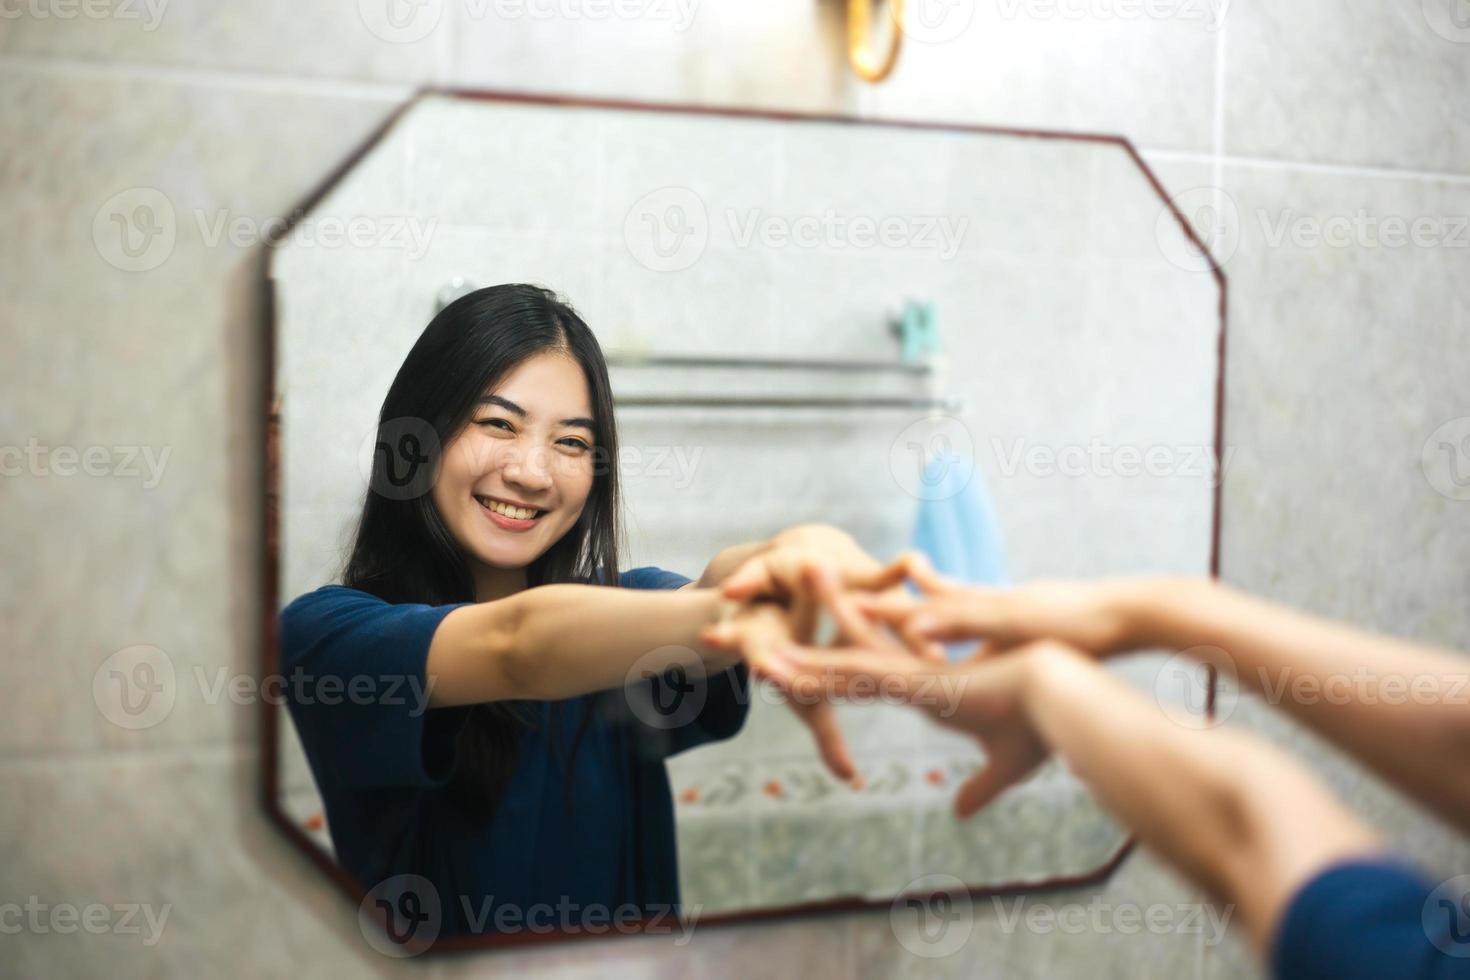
pixel 754 578
pixel 849 671
pixel 821 719
pixel 874 577
pixel 969 616
pixel 852 625
pixel 1006 766
pixel 927 579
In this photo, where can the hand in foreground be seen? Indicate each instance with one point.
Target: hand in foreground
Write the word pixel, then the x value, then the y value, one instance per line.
pixel 1101 618
pixel 985 697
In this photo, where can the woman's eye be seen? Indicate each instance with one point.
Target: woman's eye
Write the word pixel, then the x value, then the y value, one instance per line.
pixel 575 444
pixel 495 424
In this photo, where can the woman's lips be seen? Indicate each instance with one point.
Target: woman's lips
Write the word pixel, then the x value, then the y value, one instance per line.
pixel 508 523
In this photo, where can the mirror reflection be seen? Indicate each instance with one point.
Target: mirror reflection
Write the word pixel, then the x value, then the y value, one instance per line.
pixel 591 412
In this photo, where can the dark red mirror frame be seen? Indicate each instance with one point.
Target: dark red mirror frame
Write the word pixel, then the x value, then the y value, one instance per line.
pixel 269 719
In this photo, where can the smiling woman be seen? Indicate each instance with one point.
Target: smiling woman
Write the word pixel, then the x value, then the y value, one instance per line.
pixel 529 778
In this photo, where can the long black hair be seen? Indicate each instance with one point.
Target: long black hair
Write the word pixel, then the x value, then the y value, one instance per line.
pixel 403 552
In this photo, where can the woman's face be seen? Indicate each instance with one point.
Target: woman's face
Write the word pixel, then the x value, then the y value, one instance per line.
pixel 515 478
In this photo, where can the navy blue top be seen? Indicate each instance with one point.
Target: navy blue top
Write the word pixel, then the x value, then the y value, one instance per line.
pixel 382 763
pixel 1373 918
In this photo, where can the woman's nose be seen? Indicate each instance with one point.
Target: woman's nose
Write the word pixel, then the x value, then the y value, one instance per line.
pixel 529 469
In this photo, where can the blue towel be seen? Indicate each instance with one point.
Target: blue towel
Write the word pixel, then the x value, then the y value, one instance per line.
pixel 957 528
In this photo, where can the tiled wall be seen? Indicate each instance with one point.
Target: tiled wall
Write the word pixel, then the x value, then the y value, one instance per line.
pixel 1345 358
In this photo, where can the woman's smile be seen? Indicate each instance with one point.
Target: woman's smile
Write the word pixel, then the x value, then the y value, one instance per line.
pixel 511 516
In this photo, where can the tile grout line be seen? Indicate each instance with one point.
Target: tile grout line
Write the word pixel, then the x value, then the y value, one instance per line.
pixel 1302 166
pixel 224 750
pixel 213 78
pixel 384 90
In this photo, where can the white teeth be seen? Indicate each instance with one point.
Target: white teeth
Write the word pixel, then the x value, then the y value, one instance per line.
pixel 517 513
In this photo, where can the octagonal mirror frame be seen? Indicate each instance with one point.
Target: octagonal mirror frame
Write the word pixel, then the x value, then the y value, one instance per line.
pixel 269 719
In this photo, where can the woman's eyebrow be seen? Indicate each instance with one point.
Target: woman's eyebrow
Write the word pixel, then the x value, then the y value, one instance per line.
pixel 504 403
pixel 518 411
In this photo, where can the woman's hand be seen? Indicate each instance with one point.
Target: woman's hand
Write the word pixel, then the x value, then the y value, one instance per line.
pixel 986 698
pixel 755 630
pixel 782 572
pixel 1100 618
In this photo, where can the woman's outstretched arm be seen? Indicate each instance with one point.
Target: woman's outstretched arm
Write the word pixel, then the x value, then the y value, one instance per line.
pixel 1400 708
pixel 1233 814
pixel 560 641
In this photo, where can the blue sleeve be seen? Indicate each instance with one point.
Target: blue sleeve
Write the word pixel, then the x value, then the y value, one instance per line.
pixel 1370 918
pixel 353 673
pixel 673 712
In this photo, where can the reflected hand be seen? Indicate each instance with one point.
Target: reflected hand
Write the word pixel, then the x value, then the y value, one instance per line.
pixel 985 698
pixel 755 631
pixel 1099 618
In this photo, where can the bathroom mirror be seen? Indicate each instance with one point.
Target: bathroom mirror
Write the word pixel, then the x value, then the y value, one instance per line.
pixel 805 317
